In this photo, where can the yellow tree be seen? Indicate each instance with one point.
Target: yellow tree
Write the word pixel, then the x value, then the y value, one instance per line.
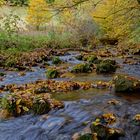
pixel 1 2
pixel 38 13
pixel 116 17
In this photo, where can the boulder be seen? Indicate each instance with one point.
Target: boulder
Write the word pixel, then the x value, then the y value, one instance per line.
pixel 81 68
pixel 106 66
pixel 126 84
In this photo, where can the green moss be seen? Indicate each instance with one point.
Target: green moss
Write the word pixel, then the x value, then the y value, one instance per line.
pixel 56 60
pixel 52 73
pixel 106 66
pixel 126 84
pixel 86 137
pixel 81 68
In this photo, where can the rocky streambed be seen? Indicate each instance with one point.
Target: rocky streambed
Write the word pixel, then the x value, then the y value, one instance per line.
pixel 83 107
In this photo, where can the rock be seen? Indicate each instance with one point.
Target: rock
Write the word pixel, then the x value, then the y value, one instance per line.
pixel 81 68
pixel 126 84
pixel 106 66
pixel 22 74
pixel 136 119
pixel 103 126
pixel 22 103
pixel 113 102
pixel 86 137
pixel 52 73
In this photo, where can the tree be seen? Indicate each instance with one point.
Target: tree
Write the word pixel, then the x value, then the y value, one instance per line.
pixel 117 18
pixel 38 13
pixel 1 2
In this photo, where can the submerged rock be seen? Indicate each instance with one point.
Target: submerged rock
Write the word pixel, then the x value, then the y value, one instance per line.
pixel 126 84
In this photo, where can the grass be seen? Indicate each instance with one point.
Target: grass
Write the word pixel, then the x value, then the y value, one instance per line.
pixel 22 43
pixel 26 43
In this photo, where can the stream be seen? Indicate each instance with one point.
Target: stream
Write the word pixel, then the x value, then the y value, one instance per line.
pixel 80 106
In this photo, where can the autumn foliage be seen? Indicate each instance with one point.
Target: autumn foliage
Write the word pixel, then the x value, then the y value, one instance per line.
pixel 37 13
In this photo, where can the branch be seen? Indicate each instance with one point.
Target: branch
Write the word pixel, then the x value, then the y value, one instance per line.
pixel 61 9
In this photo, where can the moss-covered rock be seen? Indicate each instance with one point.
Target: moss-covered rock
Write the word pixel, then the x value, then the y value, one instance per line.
pixel 103 126
pixel 87 136
pixel 14 105
pixel 56 60
pixel 106 66
pixel 17 104
pixel 81 68
pixel 52 73
pixel 126 84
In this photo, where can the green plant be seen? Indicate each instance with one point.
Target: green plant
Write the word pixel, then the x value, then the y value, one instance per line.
pixel 52 73
pixel 40 106
pixel 106 66
pixel 56 60
pixel 81 68
pixel 14 105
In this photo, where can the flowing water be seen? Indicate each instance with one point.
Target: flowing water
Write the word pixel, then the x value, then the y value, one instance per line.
pixel 80 106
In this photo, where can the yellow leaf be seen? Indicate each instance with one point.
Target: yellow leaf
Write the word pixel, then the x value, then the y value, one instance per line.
pixel 18 101
pixel 18 110
pixel 25 108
